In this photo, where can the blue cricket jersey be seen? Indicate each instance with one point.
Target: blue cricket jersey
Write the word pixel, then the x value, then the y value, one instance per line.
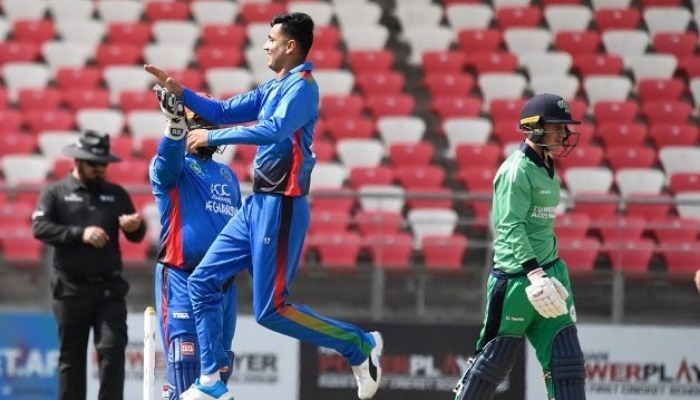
pixel 196 199
pixel 286 111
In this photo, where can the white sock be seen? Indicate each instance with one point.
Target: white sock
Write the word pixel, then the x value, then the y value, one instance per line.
pixel 209 379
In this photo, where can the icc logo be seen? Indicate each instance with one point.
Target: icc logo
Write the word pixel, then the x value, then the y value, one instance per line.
pixel 219 189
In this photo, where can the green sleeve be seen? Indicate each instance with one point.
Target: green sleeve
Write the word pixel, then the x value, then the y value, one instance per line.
pixel 513 197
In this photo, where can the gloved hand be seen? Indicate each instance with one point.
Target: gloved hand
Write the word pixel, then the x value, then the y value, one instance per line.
pixel 174 111
pixel 547 295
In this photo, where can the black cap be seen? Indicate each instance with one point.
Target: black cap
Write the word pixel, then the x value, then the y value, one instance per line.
pixel 546 108
pixel 91 146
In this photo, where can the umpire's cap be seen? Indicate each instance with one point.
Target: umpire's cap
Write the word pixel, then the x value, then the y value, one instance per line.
pixel 545 108
pixel 91 146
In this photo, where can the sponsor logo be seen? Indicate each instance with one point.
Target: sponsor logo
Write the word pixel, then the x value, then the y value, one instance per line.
pixel 187 348
pixel 181 315
pixel 107 198
pixel 72 198
pixel 196 168
pixel 226 174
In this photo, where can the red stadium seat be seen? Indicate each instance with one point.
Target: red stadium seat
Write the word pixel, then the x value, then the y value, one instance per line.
pixel 690 66
pixel 673 112
pixel 390 252
pixel 471 41
pixel 617 18
pixel 33 99
pixel 324 150
pixel 407 154
pixel 658 89
pixel 606 111
pixel 507 130
pixel 329 222
pixel 681 257
pixel 75 78
pixel 579 254
pixel 326 36
pixel 630 256
pixel 43 120
pixel 382 105
pixel 333 106
pixel 135 255
pixel 500 61
pixel 260 12
pixel 680 182
pixel 572 226
pixel 455 106
pixel 475 154
pixel 126 172
pixel 619 227
pixel 333 199
pixel 361 61
pixel 448 84
pixel 233 35
pixel 597 64
pixel 192 78
pixel 35 31
pixel 581 156
pixel 505 109
pixel 166 11
pixel 577 43
pixel 619 157
pixel 118 54
pixel 380 83
pixel 597 204
pixel 130 100
pixel 674 229
pixel 61 167
pixel 10 120
pixel 350 128
pixel 21 250
pixel 131 33
pixel 648 207
pixel 443 62
pixel 378 222
pixel 16 143
pixel 518 17
pixel 660 3
pixel 444 254
pixel 681 134
pixel 80 98
pixel 13 50
pixel 676 43
pixel 622 133
pixel 381 175
pixel 338 252
pixel 214 56
pixel 476 178
pixel 420 177
pixel 123 145
pixel 327 58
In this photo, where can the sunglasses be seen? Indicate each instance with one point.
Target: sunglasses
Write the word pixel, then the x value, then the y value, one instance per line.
pixel 95 164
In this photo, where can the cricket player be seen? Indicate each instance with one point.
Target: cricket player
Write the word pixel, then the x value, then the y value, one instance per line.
pixel 196 196
pixel 269 231
pixel 528 291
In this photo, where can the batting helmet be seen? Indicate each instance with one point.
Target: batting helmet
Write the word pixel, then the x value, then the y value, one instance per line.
pixel 544 109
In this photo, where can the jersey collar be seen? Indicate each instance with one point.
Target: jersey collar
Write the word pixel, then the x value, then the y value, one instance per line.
pixel 535 158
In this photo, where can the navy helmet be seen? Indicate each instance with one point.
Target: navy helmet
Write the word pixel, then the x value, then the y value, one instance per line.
pixel 544 109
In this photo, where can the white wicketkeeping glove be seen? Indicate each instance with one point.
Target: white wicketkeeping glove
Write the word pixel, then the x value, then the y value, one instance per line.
pixel 174 111
pixel 547 295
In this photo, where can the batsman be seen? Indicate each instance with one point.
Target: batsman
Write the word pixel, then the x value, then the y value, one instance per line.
pixel 196 196
pixel 529 290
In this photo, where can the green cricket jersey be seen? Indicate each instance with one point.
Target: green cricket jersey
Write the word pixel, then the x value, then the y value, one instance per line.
pixel 526 194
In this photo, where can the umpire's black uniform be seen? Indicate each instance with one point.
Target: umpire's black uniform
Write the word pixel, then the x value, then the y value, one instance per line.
pixel 87 287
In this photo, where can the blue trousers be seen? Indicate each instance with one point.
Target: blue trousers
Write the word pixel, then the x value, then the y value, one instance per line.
pixel 266 236
pixel 174 310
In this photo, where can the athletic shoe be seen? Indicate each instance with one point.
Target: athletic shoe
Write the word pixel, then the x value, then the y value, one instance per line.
pixel 369 373
pixel 201 392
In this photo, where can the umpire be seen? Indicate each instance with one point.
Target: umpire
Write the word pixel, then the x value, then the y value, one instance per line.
pixel 80 217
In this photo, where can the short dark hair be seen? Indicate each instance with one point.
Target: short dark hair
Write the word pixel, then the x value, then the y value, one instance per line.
pixel 298 26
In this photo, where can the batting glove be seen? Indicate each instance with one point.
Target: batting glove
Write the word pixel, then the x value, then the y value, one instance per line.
pixel 174 111
pixel 547 295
